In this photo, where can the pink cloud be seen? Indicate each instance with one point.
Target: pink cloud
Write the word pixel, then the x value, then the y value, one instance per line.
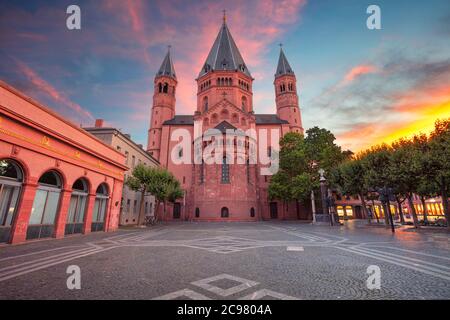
pixel 358 71
pixel 51 91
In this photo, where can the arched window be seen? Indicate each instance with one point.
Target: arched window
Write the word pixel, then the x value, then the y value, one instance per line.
pixel 225 171
pixel 77 208
pixel 244 104
pixel 214 118
pixel 205 104
pixel 160 87
pixel 234 118
pixel 197 212
pixel 206 122
pixel 224 114
pixel 252 212
pixel 100 207
pixel 224 213
pixel 243 121
pixel 166 87
pixel 45 206
pixel 11 178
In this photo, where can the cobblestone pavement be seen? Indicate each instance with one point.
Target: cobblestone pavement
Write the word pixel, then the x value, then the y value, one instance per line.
pixel 264 260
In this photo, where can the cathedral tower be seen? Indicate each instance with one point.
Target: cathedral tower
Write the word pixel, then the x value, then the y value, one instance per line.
pixel 286 94
pixel 224 75
pixel 163 104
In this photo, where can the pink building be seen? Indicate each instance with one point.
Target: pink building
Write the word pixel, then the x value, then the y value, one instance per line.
pixel 225 190
pixel 56 179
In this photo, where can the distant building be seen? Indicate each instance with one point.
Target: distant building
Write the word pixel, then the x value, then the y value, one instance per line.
pixel 134 155
pixel 55 178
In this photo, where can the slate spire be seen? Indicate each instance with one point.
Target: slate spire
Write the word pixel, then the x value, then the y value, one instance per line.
pixel 283 65
pixel 224 54
pixel 167 68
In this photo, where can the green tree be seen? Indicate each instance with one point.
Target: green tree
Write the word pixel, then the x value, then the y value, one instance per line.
pixel 439 164
pixel 349 177
pixel 157 181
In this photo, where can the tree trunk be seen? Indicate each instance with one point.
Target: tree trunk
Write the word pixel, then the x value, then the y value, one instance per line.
pixel 363 204
pixel 164 211
pixel 156 212
pixel 375 211
pixel 141 208
pixel 400 211
pixel 386 213
pixel 444 196
pixel 413 211
pixel 425 210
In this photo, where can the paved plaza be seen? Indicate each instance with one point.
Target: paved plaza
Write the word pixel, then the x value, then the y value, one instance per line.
pixel 262 260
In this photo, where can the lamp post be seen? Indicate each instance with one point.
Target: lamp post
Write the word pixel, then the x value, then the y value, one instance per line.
pixel 324 196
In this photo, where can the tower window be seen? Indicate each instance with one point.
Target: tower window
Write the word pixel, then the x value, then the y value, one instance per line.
pixel 225 171
pixel 205 104
pixel 160 87
pixel 244 104
pixel 166 88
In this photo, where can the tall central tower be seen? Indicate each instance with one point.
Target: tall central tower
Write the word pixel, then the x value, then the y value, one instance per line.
pixel 224 75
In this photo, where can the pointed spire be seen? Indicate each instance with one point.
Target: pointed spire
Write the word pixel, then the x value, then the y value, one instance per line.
pixel 283 65
pixel 224 54
pixel 167 68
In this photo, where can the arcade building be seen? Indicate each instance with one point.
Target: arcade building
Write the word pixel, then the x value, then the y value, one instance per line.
pixel 56 179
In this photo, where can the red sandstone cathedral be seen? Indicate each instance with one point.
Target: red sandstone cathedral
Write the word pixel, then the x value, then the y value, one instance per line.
pixel 229 190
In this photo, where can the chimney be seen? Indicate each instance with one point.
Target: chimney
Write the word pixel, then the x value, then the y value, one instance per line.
pixel 99 123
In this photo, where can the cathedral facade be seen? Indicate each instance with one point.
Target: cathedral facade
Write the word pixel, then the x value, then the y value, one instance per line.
pixel 234 187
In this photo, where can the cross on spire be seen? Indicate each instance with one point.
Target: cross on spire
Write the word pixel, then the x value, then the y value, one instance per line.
pixel 224 16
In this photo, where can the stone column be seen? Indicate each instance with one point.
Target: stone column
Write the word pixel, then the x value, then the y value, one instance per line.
pixel 20 226
pixel 89 213
pixel 61 217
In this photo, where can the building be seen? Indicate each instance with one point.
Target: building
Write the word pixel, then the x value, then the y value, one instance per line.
pixel 55 178
pixel 134 154
pixel 225 190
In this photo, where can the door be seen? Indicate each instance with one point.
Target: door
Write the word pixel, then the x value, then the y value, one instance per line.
pixel 176 210
pixel 224 213
pixel 9 196
pixel 273 210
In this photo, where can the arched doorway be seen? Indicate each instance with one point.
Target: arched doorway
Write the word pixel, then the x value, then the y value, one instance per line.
pixel 77 208
pixel 224 213
pixel 45 206
pixel 101 201
pixel 252 212
pixel 11 178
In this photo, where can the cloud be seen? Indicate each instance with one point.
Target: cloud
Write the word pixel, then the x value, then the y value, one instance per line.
pixel 399 95
pixel 358 71
pixel 42 85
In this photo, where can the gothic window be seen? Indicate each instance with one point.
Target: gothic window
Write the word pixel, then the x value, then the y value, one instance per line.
pixel 166 87
pixel 205 104
pixel 234 118
pixel 231 81
pixel 160 87
pixel 225 171
pixel 244 104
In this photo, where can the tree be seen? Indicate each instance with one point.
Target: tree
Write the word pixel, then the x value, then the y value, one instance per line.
pixel 157 181
pixel 376 163
pixel 439 165
pixel 349 177
pixel 139 181
pixel 405 169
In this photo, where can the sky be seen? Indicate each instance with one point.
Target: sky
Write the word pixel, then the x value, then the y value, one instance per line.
pixel 365 86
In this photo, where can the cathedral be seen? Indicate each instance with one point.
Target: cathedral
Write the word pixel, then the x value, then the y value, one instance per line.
pixel 228 190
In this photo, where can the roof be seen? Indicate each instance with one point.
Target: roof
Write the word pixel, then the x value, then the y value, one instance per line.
pixel 224 126
pixel 224 54
pixel 167 68
pixel 283 67
pixel 260 119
